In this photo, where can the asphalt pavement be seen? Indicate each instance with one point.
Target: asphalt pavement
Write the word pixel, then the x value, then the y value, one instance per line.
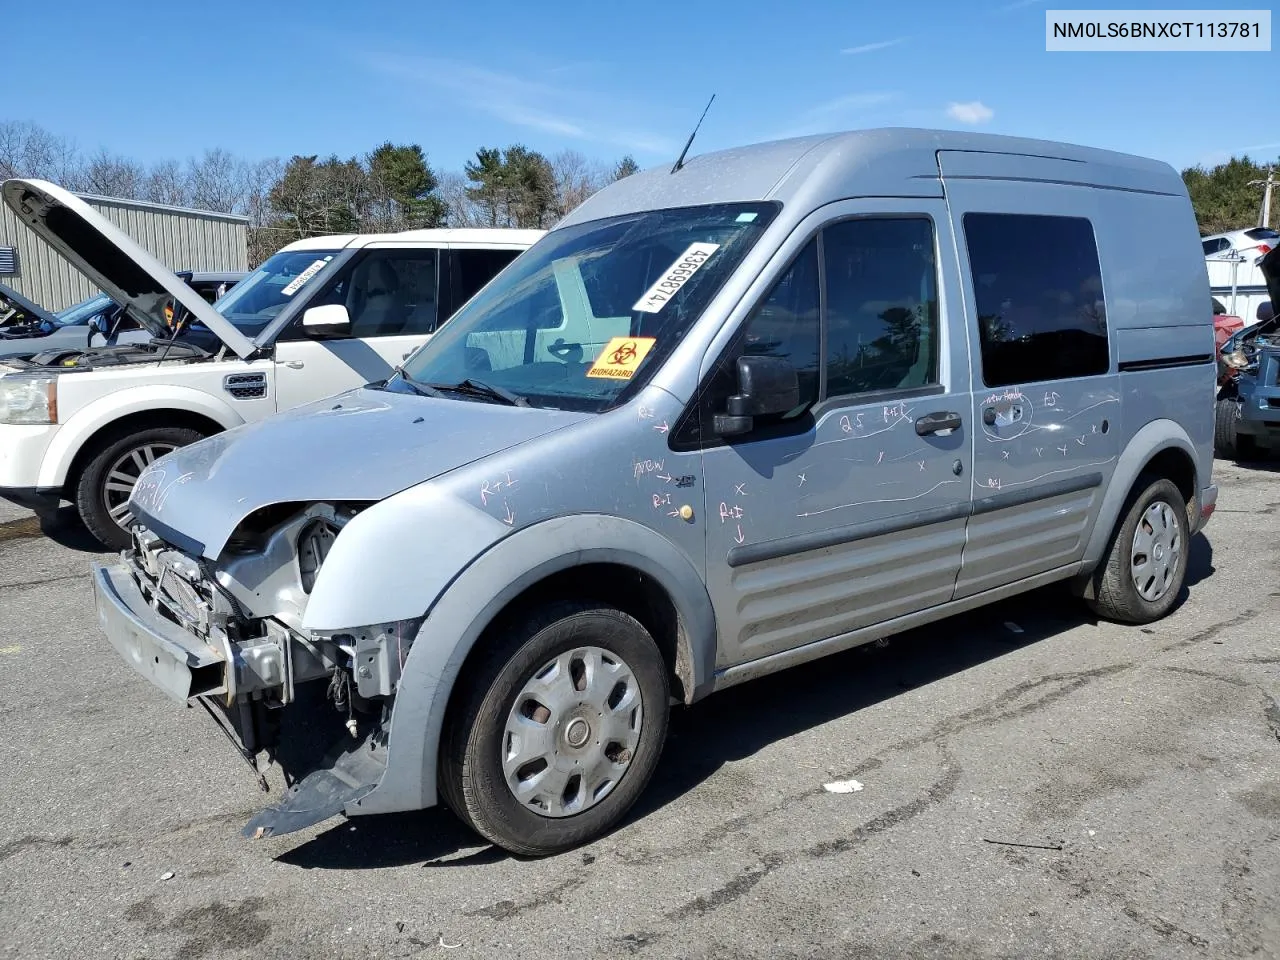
pixel 1029 782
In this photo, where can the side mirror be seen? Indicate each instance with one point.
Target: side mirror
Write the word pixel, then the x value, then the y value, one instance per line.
pixel 1265 311
pixel 99 324
pixel 766 386
pixel 330 320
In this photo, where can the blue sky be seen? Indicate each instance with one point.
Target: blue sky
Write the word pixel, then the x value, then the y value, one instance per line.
pixel 270 78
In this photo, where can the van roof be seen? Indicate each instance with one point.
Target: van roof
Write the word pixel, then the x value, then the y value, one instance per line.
pixel 463 236
pixel 892 161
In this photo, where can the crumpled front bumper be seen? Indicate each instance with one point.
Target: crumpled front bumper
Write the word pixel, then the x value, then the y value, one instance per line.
pixel 171 658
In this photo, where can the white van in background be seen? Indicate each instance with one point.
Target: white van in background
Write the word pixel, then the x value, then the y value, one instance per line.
pixel 321 316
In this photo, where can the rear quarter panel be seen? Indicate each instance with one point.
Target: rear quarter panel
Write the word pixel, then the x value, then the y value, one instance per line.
pixel 1159 312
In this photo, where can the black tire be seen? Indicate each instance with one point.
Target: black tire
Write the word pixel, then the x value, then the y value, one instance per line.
pixel 1226 414
pixel 91 494
pixel 1115 594
pixel 471 774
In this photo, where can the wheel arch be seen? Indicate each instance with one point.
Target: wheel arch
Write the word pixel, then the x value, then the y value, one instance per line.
pixel 138 408
pixel 639 570
pixel 1161 448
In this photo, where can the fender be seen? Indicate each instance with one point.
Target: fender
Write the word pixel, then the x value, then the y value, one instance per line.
pixel 461 613
pixel 154 398
pixel 1156 436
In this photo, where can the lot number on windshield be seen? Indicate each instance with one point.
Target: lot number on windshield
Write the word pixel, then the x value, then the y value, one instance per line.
pixel 296 283
pixel 669 284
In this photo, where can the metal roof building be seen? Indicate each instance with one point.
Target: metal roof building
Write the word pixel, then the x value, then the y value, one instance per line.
pixel 181 238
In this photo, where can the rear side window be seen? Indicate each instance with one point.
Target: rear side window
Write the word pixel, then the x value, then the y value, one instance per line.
pixel 1037 287
pixel 1211 247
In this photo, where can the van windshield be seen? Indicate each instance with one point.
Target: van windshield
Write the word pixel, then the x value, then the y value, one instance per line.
pixel 256 300
pixel 584 317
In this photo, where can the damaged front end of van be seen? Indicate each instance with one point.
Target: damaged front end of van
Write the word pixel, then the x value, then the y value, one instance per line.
pixel 226 600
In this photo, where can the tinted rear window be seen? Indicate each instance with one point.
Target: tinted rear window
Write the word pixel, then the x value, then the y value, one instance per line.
pixel 1037 285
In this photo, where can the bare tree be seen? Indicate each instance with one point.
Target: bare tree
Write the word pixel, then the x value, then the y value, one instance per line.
pixel 166 183
pixel 460 210
pixel 111 175
pixel 216 181
pixel 258 180
pixel 576 178
pixel 27 150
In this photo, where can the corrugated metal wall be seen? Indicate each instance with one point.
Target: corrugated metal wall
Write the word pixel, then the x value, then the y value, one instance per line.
pixel 180 238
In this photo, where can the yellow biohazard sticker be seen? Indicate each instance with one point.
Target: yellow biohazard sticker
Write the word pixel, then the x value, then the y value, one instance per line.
pixel 620 357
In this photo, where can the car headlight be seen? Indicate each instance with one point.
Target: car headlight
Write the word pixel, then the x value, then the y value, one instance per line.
pixel 28 399
pixel 1236 359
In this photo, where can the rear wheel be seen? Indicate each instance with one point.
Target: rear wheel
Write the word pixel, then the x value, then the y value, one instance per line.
pixel 1144 570
pixel 102 492
pixel 558 730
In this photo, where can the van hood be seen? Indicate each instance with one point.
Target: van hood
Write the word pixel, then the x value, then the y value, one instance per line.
pixel 364 445
pixel 112 261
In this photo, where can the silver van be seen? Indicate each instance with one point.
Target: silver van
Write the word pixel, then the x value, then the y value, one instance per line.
pixel 723 419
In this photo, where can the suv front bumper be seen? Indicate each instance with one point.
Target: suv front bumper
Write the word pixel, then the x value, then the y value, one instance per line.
pixel 171 658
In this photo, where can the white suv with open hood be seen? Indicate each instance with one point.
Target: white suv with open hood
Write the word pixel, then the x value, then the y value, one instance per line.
pixel 321 316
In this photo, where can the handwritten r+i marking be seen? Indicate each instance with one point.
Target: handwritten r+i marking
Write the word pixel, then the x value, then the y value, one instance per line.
pixel 730 513
pixel 492 489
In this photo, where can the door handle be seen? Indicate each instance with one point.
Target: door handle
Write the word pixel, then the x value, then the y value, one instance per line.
pixel 989 416
pixel 941 422
pixel 294 364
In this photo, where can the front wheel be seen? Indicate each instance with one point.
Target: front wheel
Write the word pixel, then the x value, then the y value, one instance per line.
pixel 558 730
pixel 1143 572
pixel 102 492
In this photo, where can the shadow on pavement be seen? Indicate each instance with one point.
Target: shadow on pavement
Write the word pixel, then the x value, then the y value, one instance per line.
pixel 65 528
pixel 740 721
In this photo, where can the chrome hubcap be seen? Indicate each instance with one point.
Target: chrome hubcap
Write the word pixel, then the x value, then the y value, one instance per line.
pixel 572 732
pixel 1157 550
pixel 123 477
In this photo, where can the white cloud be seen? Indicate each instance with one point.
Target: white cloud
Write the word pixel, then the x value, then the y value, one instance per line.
pixel 523 101
pixel 1019 5
pixel 973 112
pixel 879 45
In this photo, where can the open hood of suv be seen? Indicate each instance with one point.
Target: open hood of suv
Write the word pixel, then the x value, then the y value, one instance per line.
pixel 101 251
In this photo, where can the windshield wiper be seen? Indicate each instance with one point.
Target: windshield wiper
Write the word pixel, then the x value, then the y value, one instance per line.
pixel 479 388
pixel 422 389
